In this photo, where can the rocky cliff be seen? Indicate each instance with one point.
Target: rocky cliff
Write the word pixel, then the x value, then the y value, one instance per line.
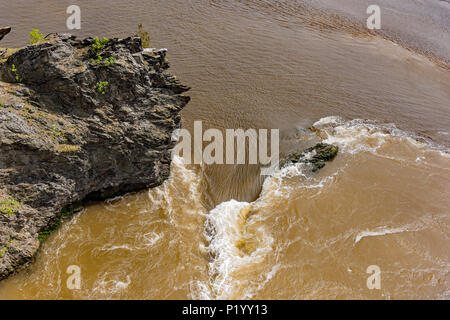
pixel 80 120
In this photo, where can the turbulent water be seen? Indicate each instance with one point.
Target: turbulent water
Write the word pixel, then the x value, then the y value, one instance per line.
pixel 221 232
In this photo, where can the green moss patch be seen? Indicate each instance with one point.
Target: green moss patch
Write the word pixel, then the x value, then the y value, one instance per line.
pixel 9 206
pixel 66 212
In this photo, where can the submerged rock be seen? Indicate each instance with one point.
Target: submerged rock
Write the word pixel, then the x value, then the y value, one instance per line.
pixel 79 120
pixel 316 156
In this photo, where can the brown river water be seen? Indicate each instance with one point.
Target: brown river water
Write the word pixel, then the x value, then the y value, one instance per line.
pixel 222 232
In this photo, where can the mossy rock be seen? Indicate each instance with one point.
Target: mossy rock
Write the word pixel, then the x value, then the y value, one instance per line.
pixel 66 213
pixel 316 156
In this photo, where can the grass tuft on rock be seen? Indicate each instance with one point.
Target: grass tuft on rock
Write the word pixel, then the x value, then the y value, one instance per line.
pixel 36 37
pixel 9 206
pixel 145 38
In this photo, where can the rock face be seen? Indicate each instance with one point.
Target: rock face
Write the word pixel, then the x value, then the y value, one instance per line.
pixel 79 120
pixel 4 31
pixel 315 157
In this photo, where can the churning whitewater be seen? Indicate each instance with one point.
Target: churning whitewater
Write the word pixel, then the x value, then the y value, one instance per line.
pixel 234 251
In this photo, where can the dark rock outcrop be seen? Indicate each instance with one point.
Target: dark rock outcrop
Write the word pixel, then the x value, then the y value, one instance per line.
pixel 314 157
pixel 79 120
pixel 4 31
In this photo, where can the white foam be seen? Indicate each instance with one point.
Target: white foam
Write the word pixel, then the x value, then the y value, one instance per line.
pixel 359 135
pixel 112 248
pixel 151 238
pixel 223 230
pixel 326 121
pixel 110 287
pixel 378 232
pixel 182 180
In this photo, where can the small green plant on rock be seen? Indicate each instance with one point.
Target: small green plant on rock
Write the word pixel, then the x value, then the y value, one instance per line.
pixel 36 37
pixel 14 70
pixel 11 243
pixel 110 60
pixel 145 38
pixel 97 47
pixel 97 59
pixel 3 251
pixel 44 234
pixel 56 133
pixel 9 206
pixel 101 86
